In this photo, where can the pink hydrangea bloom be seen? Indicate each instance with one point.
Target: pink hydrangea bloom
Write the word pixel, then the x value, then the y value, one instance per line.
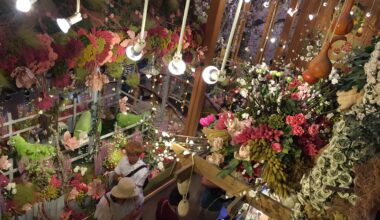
pixel 277 147
pixel 206 121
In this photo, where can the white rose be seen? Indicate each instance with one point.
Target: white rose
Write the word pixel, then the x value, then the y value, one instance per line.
pixel 245 115
pixel 243 92
pixel 76 169
pixel 244 153
pixel 215 158
pixel 217 144
pixel 83 170
pixel 160 166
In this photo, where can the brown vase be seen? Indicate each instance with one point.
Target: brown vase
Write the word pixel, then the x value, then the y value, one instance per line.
pixel 345 22
pixel 321 65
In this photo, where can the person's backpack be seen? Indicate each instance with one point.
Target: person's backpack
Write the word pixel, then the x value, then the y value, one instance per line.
pixel 133 172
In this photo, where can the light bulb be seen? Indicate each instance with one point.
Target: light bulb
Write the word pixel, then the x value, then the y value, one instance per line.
pixel 291 11
pixel 351 12
pixel 24 5
pixel 311 17
pixel 210 74
pixel 134 52
pixel 368 14
pixel 324 4
pixel 266 4
pixel 177 66
pixel 273 40
pixel 65 23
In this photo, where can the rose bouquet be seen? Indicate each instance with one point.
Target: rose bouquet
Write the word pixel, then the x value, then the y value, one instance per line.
pixel 273 132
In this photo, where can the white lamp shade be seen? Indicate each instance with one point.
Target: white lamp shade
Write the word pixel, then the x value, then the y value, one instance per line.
pixel 24 5
pixel 65 23
pixel 133 54
pixel 177 66
pixel 211 74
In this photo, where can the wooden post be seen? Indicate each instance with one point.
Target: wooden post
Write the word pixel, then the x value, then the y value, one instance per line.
pixel 240 30
pixel 285 34
pixel 272 13
pixel 215 15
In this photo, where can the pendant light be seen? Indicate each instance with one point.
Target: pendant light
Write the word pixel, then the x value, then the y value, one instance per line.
pixel 24 5
pixel 212 74
pixel 134 52
pixel 177 66
pixel 150 70
pixel 65 23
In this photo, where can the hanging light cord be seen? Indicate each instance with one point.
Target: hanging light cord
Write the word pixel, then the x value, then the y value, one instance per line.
pixel 78 7
pixel 234 24
pixel 144 20
pixel 179 48
pixel 191 176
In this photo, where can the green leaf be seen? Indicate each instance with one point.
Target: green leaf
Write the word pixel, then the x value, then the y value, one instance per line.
pixel 28 36
pixel 229 168
pixel 248 167
pixel 4 83
pixel 224 173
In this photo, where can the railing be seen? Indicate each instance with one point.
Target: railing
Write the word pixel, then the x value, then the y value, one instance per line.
pixel 11 122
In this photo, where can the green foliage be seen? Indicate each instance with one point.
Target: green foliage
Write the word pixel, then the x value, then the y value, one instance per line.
pixel 33 152
pixel 229 168
pixel 3 80
pixel 95 5
pixel 26 193
pixel 276 121
pixel 173 5
pixel 133 80
pixel 50 193
pixel 80 73
pixel 124 120
pixel 357 75
pixel 115 69
pixel 113 159
pixel 59 68
pixel 28 36
pixel 248 167
pixel 83 124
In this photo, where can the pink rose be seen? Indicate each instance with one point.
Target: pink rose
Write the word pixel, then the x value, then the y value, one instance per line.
pixel 222 121
pixel 313 130
pixel 295 82
pixel 277 147
pixel 297 130
pixel 311 149
pixel 290 120
pixel 295 96
pixel 300 119
pixel 206 121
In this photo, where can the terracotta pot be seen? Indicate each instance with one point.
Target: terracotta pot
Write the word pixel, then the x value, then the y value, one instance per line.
pixel 311 80
pixel 321 65
pixel 345 22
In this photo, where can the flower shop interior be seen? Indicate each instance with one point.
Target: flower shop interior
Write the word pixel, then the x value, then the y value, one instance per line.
pixel 190 109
